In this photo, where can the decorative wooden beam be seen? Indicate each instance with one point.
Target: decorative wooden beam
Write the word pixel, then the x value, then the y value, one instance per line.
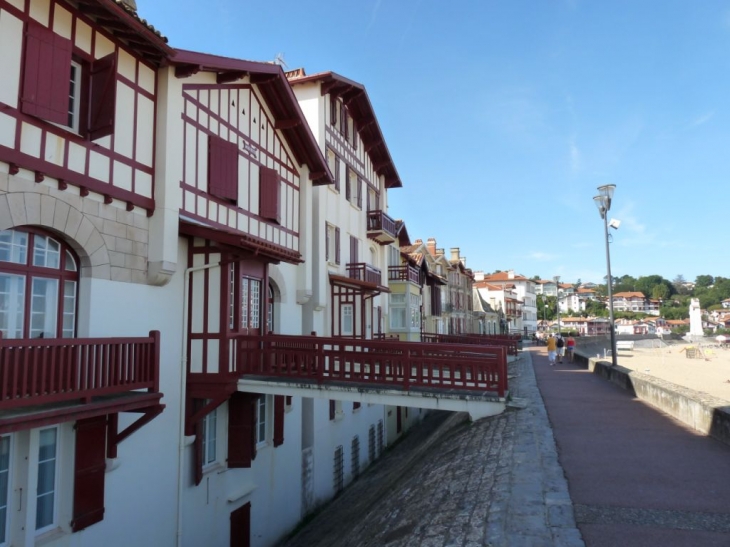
pixel 39 176
pixel 263 78
pixel 130 206
pixel 231 76
pixel 380 165
pixel 327 87
pixel 370 146
pixel 287 124
pixel 314 175
pixel 62 185
pixel 352 94
pixel 13 168
pixel 185 71
pixel 108 199
pixel 83 191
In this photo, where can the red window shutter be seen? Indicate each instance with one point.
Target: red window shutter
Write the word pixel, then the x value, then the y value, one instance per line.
pixel 89 472
pixel 343 120
pixel 222 168
pixel 348 192
pixel 269 194
pixel 102 102
pixel 241 526
pixel 278 420
pixel 241 429
pixel 354 254
pixel 333 111
pixel 46 74
pixel 198 445
pixel 337 245
pixel 354 134
pixel 327 242
pixel 332 409
pixel 337 174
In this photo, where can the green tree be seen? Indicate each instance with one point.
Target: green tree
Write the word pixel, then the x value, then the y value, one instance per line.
pixel 704 281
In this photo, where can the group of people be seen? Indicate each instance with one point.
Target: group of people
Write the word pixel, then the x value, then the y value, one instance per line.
pixel 558 347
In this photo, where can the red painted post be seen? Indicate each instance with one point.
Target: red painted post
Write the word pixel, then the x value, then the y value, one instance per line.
pixel 155 335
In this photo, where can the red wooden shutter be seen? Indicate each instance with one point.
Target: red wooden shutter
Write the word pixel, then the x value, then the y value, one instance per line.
pixel 222 168
pixel 333 111
pixel 269 194
pixel 354 254
pixel 102 102
pixel 332 409
pixel 354 134
pixel 337 245
pixel 198 445
pixel 348 191
pixel 278 420
pixel 46 74
pixel 343 120
pixel 89 472
pixel 241 526
pixel 337 174
pixel 241 429
pixel 327 242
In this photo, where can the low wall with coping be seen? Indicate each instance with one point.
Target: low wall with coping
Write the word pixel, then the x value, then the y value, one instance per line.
pixel 700 411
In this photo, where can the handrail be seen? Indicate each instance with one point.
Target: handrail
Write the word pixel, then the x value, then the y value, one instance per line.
pixel 45 370
pixel 379 362
pixel 380 221
pixel 364 272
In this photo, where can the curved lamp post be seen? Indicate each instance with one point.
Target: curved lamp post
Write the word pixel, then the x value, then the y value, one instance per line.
pixel 557 299
pixel 603 202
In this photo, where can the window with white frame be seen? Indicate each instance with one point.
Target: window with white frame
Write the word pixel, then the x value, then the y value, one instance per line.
pixel 4 486
pixel 210 435
pixel 38 286
pixel 262 423
pixel 45 516
pixel 415 301
pixel 397 311
pixel 347 322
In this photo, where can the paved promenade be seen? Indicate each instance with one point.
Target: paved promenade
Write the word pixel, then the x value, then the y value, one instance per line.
pixel 496 482
pixel 636 476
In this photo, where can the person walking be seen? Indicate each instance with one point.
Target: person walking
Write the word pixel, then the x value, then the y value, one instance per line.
pixel 551 349
pixel 560 345
pixel 570 347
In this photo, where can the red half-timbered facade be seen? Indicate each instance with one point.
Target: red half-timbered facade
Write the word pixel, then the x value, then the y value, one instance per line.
pixel 248 159
pixel 78 99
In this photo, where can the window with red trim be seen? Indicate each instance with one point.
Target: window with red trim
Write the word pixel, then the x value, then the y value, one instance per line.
pixel 63 88
pixel 39 277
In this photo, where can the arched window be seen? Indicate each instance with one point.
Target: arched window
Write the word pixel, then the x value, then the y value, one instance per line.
pixel 39 277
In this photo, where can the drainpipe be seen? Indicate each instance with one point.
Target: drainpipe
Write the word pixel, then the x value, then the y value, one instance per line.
pixel 183 378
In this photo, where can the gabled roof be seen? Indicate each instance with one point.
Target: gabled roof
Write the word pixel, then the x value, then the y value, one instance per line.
pixel 629 294
pixel 275 90
pixel 124 23
pixel 358 105
pixel 504 276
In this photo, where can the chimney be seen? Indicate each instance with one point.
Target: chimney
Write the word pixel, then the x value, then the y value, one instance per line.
pixel 431 246
pixel 479 275
pixel 131 4
pixel 511 274
pixel 418 242
pixel 439 252
pixel 454 254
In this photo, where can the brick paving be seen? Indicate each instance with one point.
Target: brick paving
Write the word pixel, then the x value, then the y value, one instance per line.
pixel 450 483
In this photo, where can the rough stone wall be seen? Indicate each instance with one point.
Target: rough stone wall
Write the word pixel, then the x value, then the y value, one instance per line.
pixel 112 242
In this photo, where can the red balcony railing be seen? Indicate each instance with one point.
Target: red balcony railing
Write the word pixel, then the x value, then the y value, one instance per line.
pixel 381 227
pixel 509 341
pixel 39 371
pixel 364 272
pixel 404 272
pixel 379 363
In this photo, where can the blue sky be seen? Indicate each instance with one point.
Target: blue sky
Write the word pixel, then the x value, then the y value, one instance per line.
pixel 503 117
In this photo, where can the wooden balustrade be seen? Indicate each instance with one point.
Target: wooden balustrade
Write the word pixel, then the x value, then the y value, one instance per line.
pixel 509 341
pixel 404 272
pixel 403 364
pixel 44 370
pixel 381 227
pixel 364 272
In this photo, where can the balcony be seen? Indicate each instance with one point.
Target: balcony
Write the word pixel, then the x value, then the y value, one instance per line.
pixel 381 227
pixel 364 272
pixel 40 378
pixel 405 272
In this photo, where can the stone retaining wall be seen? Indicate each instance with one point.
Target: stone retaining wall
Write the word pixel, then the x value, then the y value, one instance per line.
pixel 704 413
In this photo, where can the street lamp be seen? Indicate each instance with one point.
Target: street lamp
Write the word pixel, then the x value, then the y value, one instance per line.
pixel 603 202
pixel 557 298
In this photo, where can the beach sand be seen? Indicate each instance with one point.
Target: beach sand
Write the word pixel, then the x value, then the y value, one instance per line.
pixel 709 374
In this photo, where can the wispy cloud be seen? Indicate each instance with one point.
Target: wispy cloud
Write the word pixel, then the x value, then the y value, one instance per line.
pixel 540 256
pixel 704 118
pixel 373 15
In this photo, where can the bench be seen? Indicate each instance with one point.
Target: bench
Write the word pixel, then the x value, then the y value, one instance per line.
pixel 627 345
